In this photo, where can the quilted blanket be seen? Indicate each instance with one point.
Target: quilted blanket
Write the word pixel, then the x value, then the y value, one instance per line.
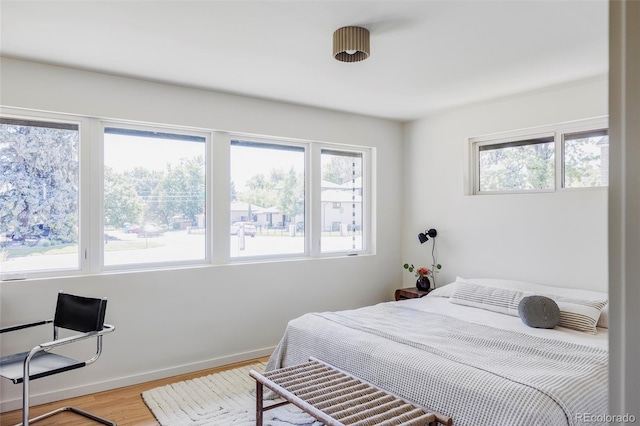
pixel 478 375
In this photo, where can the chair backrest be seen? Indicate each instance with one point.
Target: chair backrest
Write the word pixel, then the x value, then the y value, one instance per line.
pixel 79 313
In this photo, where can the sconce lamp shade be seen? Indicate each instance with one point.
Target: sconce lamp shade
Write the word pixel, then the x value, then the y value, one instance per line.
pixel 351 44
pixel 423 236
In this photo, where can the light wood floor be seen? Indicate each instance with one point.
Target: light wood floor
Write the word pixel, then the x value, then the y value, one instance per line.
pixel 123 406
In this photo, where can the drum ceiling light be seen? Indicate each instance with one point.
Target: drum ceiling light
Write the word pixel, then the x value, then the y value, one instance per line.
pixel 351 44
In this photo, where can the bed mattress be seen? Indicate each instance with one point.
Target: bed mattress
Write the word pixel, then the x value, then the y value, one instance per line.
pixel 479 367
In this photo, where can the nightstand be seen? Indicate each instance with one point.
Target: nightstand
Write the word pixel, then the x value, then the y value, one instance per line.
pixel 410 293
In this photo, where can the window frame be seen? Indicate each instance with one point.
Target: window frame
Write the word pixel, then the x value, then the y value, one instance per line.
pixel 305 146
pixel 557 131
pixel 561 178
pixel 218 178
pixel 99 249
pixel 84 191
pixel 313 183
pixel 367 173
pixel 503 141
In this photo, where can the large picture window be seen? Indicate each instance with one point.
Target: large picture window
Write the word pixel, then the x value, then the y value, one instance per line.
pixel 267 199
pixel 154 196
pixel 83 195
pixel 39 210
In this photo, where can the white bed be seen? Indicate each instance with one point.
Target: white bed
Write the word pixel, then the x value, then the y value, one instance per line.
pixel 477 366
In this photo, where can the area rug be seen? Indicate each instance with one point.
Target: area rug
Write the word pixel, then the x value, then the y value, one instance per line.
pixel 220 399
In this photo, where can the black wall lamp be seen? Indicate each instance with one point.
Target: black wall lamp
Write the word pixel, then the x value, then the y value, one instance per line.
pixel 423 236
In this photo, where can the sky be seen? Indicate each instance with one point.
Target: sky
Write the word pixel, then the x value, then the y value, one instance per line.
pixel 125 152
pixel 247 162
pixel 122 152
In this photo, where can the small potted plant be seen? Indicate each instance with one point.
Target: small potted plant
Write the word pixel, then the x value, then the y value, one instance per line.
pixel 423 283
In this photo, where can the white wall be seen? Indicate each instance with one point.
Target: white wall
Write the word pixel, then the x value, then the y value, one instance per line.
pixel 174 321
pixel 551 238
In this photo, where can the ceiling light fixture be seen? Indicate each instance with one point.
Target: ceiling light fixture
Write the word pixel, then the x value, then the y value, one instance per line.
pixel 351 44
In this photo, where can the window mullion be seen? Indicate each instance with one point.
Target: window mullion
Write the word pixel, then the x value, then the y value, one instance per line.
pixel 368 201
pixel 559 164
pixel 91 223
pixel 314 201
pixel 219 198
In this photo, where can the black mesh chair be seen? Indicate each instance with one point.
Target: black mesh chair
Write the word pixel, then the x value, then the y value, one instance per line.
pixel 81 314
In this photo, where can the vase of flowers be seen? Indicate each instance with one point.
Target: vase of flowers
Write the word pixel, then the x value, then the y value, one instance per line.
pixel 422 273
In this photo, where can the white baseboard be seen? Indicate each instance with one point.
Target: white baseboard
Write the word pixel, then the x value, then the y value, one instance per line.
pixel 37 399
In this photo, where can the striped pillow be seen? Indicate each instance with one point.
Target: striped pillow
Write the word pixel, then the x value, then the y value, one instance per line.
pixel 576 314
pixel 580 315
pixel 501 300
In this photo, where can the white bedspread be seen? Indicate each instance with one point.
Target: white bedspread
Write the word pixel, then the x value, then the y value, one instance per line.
pixel 477 373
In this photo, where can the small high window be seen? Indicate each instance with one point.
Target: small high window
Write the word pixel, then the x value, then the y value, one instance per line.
pixel 517 166
pixel 562 156
pixel 586 159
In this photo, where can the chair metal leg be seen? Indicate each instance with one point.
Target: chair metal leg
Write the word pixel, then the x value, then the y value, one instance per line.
pixel 73 410
pixel 25 401
pixel 25 388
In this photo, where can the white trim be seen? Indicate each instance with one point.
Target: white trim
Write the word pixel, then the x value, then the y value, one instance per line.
pixel 219 198
pixel 558 161
pixel 371 200
pixel 94 200
pixel 72 392
pixel 314 201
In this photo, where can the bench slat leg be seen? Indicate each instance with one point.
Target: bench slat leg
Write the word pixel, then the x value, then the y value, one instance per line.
pixel 259 403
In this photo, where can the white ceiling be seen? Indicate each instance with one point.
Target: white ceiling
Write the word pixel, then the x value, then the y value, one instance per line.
pixel 425 55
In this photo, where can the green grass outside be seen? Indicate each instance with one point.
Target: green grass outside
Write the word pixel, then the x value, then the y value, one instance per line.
pixel 114 245
pixel 19 251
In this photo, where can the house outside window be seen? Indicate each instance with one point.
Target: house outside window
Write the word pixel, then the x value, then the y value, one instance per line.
pixel 267 199
pixel 342 201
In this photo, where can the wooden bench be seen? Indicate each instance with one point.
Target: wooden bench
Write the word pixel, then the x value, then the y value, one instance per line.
pixel 337 398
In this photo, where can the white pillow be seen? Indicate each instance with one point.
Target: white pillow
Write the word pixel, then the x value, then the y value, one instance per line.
pixel 577 314
pixel 573 293
pixel 443 291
